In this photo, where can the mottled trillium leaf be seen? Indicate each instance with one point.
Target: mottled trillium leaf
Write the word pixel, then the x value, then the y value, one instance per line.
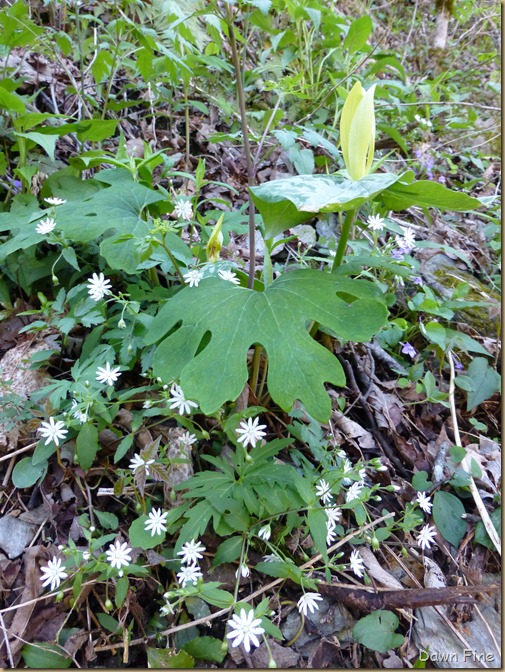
pixel 287 202
pixel 211 328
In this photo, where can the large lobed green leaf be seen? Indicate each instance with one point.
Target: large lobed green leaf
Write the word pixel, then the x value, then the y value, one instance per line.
pixel 233 318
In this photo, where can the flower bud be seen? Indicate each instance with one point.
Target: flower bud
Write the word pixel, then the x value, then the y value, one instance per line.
pixel 375 543
pixel 59 596
pixel 357 131
pixel 121 324
pixel 108 605
pixel 271 663
pixel 215 244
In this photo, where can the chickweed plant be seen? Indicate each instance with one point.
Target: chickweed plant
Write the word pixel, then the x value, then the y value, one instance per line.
pixel 229 434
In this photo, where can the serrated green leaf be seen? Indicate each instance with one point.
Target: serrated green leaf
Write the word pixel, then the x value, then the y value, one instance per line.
pixel 297 365
pixel 447 512
pixel 377 631
pixel 287 202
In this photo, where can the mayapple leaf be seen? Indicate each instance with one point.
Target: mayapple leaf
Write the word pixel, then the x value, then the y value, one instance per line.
pixel 429 195
pixel 287 202
pixel 211 328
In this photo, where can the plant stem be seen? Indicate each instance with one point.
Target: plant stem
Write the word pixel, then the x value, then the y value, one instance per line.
pixel 245 134
pixel 344 237
pixel 172 259
pixel 255 368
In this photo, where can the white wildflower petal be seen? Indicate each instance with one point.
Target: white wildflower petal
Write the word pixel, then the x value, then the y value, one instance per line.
pixel 191 551
pixel 357 564
pixel 333 513
pixel 189 574
pixel 53 573
pixel 243 570
pixel 77 413
pixel 270 558
pixel 265 532
pixel 118 554
pixel 323 491
pixel 426 536
pixel 52 431
pixel 183 209
pixel 244 628
pixel 178 400
pixel 251 432
pixel 45 226
pixel 375 222
pixel 424 502
pixel 54 200
pixel 354 492
pixel 193 277
pixel 187 439
pixel 157 522
pixel 309 602
pixel 107 375
pixel 98 286
pixel 138 462
pixel 230 276
pixel 331 535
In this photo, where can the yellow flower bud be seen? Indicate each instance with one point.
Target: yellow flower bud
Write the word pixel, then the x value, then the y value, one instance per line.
pixel 215 244
pixel 357 131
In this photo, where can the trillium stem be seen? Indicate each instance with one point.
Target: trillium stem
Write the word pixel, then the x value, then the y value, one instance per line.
pixel 255 368
pixel 350 216
pixel 245 135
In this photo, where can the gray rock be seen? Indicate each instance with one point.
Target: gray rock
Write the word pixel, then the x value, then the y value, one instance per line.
pixel 15 535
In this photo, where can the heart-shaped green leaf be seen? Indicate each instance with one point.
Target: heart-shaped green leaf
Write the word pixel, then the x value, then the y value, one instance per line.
pixel 287 202
pixel 230 319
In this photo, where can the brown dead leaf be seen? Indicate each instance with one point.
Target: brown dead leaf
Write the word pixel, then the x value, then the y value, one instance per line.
pixel 353 432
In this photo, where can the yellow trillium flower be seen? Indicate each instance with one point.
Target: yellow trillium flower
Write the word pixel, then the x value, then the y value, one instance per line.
pixel 215 244
pixel 357 131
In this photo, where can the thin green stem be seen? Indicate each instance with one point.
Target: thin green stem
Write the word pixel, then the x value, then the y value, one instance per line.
pixel 172 259
pixel 350 216
pixel 255 368
pixel 245 134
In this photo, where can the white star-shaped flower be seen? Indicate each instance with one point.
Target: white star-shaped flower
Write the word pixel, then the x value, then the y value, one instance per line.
pixel 308 602
pixel 270 558
pixel 407 241
pixel 331 535
pixel 193 277
pixel 183 209
pixel 357 564
pixel 424 502
pixel 187 439
pixel 191 551
pixel 107 375
pixel 347 467
pixel 427 536
pixel 156 522
pixel 77 413
pixel 189 574
pixel 53 431
pixel 98 286
pixel 53 573
pixel 179 401
pixel 45 226
pixel 118 554
pixel 54 200
pixel 323 491
pixel 333 513
pixel 138 461
pixel 375 222
pixel 354 492
pixel 265 532
pixel 243 570
pixel 251 432
pixel 244 628
pixel 229 275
